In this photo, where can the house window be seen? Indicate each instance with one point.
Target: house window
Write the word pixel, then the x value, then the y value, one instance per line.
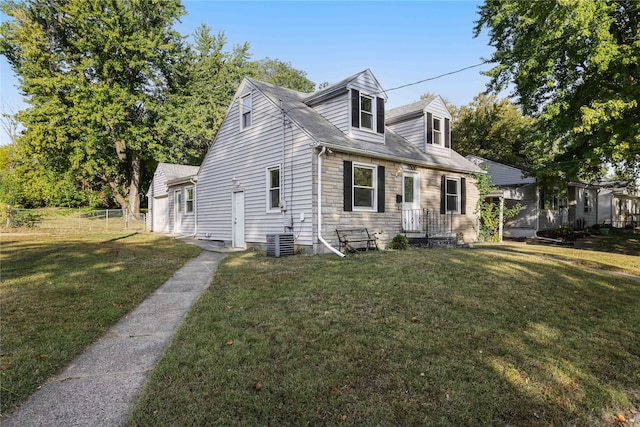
pixel 587 202
pixel 452 195
pixel 189 200
pixel 364 187
pixel 408 189
pixel 273 189
pixel 245 111
pixel 366 112
pixel 437 131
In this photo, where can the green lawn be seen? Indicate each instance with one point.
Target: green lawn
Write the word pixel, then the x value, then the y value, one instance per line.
pixel 59 293
pixel 491 336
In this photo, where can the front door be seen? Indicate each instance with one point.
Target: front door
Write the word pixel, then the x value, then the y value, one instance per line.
pixel 411 212
pixel 177 211
pixel 237 208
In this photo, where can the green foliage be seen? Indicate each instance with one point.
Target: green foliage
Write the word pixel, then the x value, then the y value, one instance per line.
pixel 493 129
pixel 283 74
pixel 93 72
pixel 574 64
pixel 207 76
pixel 489 212
pixel 399 242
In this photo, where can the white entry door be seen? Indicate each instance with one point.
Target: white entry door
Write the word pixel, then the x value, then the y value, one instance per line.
pixel 177 211
pixel 237 208
pixel 411 212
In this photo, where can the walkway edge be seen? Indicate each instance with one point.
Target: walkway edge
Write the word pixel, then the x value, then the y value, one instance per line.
pixel 100 387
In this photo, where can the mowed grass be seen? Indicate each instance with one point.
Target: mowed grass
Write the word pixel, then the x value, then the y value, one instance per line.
pixel 59 293
pixel 406 338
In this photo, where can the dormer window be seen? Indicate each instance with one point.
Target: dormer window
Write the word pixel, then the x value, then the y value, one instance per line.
pixel 245 111
pixel 438 132
pixel 367 112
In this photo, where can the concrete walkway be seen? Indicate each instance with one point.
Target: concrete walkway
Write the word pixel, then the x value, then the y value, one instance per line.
pixel 100 387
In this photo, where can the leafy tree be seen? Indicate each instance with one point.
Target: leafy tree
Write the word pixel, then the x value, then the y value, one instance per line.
pixel 93 72
pixel 575 65
pixel 494 129
pixel 283 74
pixel 194 109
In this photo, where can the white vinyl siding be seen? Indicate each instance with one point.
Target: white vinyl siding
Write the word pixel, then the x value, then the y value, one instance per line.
pixel 336 110
pixel 239 157
pixel 412 130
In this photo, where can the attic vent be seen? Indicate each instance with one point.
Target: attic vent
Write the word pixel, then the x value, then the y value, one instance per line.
pixel 279 245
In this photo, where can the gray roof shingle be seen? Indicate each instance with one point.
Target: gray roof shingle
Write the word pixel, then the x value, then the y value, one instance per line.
pixel 325 133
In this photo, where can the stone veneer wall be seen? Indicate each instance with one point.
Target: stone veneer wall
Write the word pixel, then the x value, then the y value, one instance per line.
pixel 387 224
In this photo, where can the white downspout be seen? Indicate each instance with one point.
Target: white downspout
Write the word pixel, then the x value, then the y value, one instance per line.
pixel 195 205
pixel 324 242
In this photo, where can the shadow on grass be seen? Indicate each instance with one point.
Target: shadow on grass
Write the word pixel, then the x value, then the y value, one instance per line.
pixel 422 337
pixel 60 293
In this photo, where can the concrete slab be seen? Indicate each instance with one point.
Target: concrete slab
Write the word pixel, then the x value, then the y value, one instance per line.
pixel 100 387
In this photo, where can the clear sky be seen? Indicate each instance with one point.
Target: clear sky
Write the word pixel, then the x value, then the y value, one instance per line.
pixel 400 42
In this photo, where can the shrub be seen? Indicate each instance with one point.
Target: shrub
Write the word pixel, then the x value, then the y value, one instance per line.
pixel 399 242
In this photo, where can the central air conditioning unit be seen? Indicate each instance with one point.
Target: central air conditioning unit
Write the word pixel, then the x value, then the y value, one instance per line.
pixel 280 244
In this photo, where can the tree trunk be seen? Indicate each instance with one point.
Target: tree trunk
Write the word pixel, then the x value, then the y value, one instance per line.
pixel 134 187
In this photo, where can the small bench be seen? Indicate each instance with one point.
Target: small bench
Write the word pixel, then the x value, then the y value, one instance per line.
pixel 353 239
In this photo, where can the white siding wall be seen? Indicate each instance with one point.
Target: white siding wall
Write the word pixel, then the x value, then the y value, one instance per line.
pixel 157 188
pixel 246 155
pixel 336 110
pixel 412 130
pixel 188 222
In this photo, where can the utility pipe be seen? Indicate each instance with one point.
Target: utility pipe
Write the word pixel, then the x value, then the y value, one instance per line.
pixel 194 181
pixel 324 242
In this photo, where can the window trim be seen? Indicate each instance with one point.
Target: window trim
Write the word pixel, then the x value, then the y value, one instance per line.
pixel 244 113
pixel 188 211
pixel 458 194
pixel 371 113
pixel 269 189
pixel 377 112
pixel 439 132
pixel 373 188
pixel 587 208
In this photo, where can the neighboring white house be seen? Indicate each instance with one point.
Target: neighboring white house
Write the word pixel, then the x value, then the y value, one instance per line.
pixel 618 204
pixel 171 198
pixel 306 164
pixel 574 206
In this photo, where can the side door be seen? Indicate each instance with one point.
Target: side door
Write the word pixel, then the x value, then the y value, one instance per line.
pixel 411 211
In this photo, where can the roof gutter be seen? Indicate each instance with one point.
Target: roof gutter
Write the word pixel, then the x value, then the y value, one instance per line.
pixel 324 242
pixel 382 156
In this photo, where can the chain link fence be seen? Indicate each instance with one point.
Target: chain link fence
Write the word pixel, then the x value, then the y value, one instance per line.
pixel 111 220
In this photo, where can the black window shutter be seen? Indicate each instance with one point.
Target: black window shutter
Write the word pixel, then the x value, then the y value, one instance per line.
pixel 429 128
pixel 380 188
pixel 463 196
pixel 443 195
pixel 541 199
pixel 380 114
pixel 447 140
pixel 355 108
pixel 348 174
